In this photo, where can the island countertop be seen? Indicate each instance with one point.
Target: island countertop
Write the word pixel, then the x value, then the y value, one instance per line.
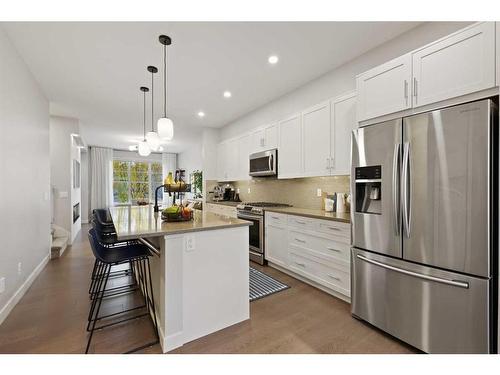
pixel 141 221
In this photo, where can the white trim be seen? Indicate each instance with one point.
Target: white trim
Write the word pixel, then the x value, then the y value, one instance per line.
pixel 332 292
pixel 171 342
pixel 16 297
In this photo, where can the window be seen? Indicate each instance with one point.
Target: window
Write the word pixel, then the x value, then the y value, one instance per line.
pixel 135 181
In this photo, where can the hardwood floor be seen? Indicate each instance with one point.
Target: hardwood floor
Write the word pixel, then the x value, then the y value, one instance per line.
pixel 52 315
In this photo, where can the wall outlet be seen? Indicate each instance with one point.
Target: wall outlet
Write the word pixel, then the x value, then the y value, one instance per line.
pixel 19 268
pixel 318 192
pixel 190 243
pixel 2 284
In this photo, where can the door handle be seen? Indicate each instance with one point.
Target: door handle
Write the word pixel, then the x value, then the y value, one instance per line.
pixel 461 284
pixel 395 188
pixel 406 187
pixel 327 163
pixel 415 91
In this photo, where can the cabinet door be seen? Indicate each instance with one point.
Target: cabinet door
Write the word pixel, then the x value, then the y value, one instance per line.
pixel 271 136
pixel 221 162
pixel 258 139
pixel 232 160
pixel 290 148
pixel 343 123
pixel 316 140
pixel 497 26
pixel 384 89
pixel 243 161
pixel 276 245
pixel 460 64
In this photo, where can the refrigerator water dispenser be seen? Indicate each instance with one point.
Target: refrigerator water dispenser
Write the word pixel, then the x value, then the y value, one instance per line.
pixel 369 190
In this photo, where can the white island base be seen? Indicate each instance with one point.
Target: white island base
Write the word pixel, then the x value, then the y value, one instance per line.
pixel 200 283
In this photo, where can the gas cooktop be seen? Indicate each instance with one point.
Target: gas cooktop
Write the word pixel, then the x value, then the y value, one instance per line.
pixel 258 207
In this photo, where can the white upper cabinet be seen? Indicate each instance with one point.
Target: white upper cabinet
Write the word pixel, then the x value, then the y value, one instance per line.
pixel 264 139
pixel 343 112
pixel 271 136
pixel 316 123
pixel 460 64
pixel 243 160
pixel 290 148
pixel 221 162
pixel 497 26
pixel 384 89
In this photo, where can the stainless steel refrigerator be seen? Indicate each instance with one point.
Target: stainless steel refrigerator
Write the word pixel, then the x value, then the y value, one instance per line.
pixel 424 228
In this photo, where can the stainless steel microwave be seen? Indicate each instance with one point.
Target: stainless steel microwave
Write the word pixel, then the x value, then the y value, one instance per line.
pixel 264 163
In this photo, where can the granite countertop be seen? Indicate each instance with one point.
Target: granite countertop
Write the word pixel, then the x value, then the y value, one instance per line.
pixel 315 214
pixel 141 221
pixel 226 203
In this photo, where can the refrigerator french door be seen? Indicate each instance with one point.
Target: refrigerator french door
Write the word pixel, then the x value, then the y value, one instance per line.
pixel 424 252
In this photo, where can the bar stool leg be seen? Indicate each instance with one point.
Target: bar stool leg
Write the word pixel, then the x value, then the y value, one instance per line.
pixel 99 299
pixel 153 300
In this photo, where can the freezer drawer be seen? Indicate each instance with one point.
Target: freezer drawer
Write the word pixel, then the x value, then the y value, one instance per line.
pixel 435 311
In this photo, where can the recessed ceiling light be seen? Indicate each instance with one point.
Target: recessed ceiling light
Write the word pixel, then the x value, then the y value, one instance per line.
pixel 227 94
pixel 201 114
pixel 273 59
pixel 161 149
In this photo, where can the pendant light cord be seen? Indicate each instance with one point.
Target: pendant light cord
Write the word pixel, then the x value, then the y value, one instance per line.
pixel 144 114
pixel 152 102
pixel 165 80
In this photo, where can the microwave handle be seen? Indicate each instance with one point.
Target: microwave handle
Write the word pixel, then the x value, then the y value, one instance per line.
pixel 271 167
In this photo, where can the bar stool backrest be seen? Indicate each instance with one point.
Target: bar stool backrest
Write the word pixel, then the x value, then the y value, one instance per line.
pixel 96 247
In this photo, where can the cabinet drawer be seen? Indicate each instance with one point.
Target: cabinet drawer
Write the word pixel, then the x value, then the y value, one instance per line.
pixel 342 231
pixel 301 222
pixel 327 246
pixel 330 274
pixel 275 218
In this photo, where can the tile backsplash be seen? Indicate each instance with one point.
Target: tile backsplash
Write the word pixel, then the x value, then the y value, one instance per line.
pixel 299 192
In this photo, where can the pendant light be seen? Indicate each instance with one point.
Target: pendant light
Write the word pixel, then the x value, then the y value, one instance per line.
pixel 152 137
pixel 143 147
pixel 165 125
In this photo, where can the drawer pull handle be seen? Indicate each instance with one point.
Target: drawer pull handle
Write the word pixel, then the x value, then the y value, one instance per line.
pixel 300 222
pixel 333 249
pixel 275 217
pixel 300 264
pixel 334 277
pixel 333 228
pixel 299 240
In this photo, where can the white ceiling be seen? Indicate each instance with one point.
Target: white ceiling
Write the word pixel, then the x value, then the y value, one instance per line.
pixel 92 71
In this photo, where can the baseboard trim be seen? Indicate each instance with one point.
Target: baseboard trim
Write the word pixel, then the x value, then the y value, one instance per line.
pixel 16 297
pixel 172 342
pixel 332 292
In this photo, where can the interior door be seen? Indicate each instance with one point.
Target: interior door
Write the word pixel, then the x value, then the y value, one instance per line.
pixel 376 157
pixel 445 186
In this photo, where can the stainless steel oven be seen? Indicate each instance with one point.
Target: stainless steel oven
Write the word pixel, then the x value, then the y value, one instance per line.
pixel 256 235
pixel 264 163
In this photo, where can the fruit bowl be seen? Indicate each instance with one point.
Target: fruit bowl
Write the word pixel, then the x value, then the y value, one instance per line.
pixel 180 215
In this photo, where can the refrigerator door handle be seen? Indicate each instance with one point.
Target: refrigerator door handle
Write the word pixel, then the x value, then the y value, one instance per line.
pixel 405 194
pixel 395 188
pixel 460 284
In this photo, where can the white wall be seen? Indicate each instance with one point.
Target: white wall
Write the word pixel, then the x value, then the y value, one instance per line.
pixel 62 154
pixel 25 173
pixel 340 80
pixel 84 160
pixel 191 159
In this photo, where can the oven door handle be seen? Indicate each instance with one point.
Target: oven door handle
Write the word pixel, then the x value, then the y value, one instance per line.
pixel 250 217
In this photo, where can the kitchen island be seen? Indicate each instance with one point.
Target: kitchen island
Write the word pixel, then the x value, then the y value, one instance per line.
pixel 200 271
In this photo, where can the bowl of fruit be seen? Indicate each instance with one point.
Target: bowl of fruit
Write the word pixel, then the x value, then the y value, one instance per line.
pixel 177 213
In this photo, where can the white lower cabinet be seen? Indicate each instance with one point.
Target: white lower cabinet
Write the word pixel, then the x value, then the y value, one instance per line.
pixel 317 250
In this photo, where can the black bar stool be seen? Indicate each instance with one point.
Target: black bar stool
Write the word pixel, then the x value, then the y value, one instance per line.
pixel 106 235
pixel 106 257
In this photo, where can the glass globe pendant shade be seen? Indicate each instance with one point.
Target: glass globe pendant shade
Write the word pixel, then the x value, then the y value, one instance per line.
pixel 153 140
pixel 144 149
pixel 165 128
